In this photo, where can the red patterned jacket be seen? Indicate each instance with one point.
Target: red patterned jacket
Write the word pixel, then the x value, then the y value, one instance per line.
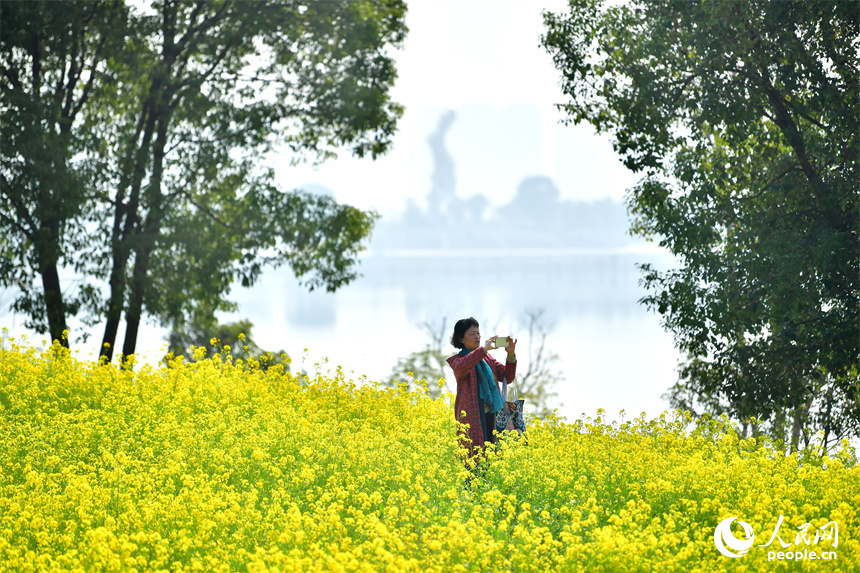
pixel 466 403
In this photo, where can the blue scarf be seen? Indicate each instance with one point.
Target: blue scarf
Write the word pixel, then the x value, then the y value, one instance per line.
pixel 487 389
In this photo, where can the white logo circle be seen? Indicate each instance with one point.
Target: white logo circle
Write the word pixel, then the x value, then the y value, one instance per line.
pixel 723 537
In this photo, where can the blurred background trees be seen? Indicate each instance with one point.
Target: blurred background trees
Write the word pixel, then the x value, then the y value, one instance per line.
pixel 538 374
pixel 429 364
pixel 741 117
pixel 133 146
pixel 215 337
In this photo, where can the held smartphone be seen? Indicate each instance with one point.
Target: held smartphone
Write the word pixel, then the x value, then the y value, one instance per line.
pixel 501 342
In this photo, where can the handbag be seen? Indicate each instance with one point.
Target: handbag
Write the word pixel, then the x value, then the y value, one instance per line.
pixel 510 419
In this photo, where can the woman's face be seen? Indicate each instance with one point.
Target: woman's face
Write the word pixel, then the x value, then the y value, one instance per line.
pixel 472 338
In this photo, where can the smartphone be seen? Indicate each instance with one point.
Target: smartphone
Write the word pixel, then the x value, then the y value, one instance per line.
pixel 501 341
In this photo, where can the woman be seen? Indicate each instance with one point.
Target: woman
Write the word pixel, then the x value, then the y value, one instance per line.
pixel 477 373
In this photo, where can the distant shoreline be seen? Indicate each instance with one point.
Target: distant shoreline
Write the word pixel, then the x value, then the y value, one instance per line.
pixel 639 249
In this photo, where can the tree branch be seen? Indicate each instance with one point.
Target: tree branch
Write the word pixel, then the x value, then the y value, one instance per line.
pixel 12 75
pixel 14 223
pixel 758 193
pixel 683 87
pixel 74 76
pixel 96 60
pixel 21 211
pixel 196 82
pixel 206 24
pixel 208 212
pixel 36 66
pixel 805 116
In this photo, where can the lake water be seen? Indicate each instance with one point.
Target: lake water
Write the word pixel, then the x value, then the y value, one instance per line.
pixel 613 352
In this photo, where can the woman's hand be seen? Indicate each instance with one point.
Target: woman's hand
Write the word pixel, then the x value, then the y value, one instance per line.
pixel 490 344
pixel 512 345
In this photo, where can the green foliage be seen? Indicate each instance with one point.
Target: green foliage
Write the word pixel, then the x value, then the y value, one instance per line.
pixel 185 102
pixel 202 253
pixel 741 117
pixel 53 67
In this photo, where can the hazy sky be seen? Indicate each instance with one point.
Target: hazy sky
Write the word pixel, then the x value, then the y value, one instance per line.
pixel 482 59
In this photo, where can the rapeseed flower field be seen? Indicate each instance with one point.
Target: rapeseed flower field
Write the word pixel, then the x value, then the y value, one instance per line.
pixel 219 465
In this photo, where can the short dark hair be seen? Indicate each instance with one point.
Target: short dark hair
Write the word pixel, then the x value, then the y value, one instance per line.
pixel 460 329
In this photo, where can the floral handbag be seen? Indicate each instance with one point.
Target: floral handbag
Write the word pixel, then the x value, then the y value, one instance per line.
pixel 507 418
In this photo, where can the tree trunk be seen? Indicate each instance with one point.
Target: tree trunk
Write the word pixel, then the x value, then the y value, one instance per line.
pixel 117 288
pixel 135 303
pixel 47 237
pixel 149 236
pixel 800 415
pixel 54 306
pixel 827 419
pixel 779 427
pixel 125 224
pixel 783 119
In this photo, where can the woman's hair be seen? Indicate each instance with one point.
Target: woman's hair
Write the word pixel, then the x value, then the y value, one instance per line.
pixel 460 329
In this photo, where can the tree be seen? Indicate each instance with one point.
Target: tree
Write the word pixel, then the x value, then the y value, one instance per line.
pixel 204 89
pixel 741 118
pixel 537 383
pixel 54 65
pixel 429 364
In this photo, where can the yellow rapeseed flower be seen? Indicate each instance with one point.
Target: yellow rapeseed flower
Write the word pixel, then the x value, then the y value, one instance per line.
pixel 217 465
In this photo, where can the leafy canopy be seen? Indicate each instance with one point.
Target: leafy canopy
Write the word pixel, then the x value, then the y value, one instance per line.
pixel 741 117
